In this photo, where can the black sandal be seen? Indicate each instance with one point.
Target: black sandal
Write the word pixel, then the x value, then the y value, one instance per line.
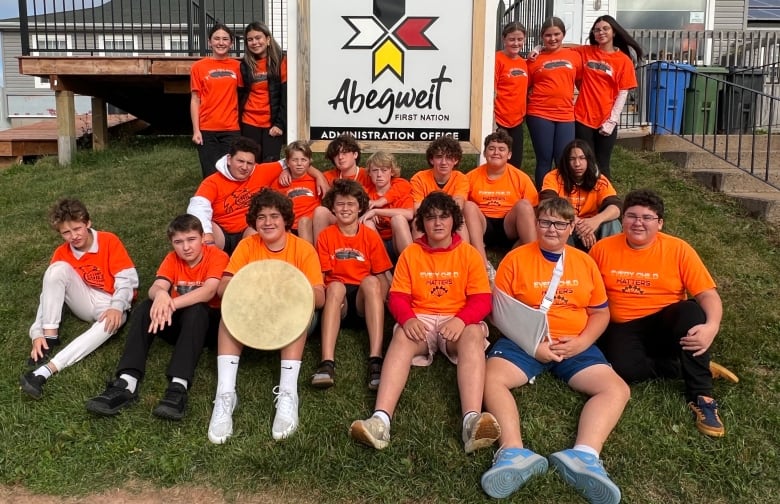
pixel 374 372
pixel 323 377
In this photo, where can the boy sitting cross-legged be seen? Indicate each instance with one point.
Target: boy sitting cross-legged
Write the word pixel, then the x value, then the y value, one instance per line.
pixel 356 267
pixel 439 297
pixel 183 309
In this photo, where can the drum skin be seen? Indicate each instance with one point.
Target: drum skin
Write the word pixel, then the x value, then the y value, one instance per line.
pixel 268 304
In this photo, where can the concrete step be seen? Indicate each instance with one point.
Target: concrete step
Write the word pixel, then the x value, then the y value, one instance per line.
pixel 762 206
pixel 707 162
pixel 718 143
pixel 730 180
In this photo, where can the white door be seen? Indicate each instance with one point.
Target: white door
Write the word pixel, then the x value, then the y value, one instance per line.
pixel 570 11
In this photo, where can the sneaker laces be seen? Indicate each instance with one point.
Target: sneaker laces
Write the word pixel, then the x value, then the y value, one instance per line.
pixel 284 402
pixel 223 405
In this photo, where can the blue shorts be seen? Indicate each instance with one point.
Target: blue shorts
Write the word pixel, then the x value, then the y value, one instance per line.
pixel 565 370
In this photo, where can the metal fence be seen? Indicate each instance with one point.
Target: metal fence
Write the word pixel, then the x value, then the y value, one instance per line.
pixel 530 13
pixel 136 27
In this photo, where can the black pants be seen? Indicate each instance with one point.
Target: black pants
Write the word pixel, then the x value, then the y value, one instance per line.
pixel 649 347
pixel 516 133
pixel 188 333
pixel 270 146
pixel 602 145
pixel 215 145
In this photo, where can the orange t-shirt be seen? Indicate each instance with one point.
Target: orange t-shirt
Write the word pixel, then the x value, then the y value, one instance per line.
pixel 511 85
pixel 97 269
pixel 184 279
pixel 296 251
pixel 216 82
pixel 399 195
pixel 586 203
pixel 303 193
pixel 230 198
pixel 495 198
pixel 525 274
pixel 362 177
pixel 350 259
pixel 603 76
pixel 552 78
pixel 643 282
pixel 439 280
pixel 257 110
pixel 423 184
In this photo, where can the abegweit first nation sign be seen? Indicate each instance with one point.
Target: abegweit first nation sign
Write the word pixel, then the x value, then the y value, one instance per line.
pixel 390 70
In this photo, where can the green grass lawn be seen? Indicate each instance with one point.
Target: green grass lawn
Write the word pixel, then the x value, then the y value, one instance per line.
pixel 655 455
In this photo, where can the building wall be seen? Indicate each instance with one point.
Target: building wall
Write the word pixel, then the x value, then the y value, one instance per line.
pixel 729 15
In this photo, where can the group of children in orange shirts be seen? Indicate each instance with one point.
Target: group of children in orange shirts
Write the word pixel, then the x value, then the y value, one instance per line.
pixel 613 304
pixel 632 286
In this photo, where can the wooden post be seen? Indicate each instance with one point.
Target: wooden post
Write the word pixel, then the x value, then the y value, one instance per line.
pixel 66 126
pixel 99 124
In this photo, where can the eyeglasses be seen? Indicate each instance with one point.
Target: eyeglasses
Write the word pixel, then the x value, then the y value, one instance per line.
pixel 606 29
pixel 559 225
pixel 644 218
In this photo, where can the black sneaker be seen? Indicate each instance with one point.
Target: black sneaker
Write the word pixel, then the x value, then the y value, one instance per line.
pixel 173 404
pixel 114 398
pixel 52 342
pixel 32 384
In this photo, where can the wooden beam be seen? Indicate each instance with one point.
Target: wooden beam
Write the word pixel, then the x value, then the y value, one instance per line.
pixel 304 52
pixel 180 86
pixel 99 124
pixel 66 126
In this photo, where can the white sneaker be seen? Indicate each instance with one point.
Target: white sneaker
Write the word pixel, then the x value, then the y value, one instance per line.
pixel 286 419
pixel 480 431
pixel 221 424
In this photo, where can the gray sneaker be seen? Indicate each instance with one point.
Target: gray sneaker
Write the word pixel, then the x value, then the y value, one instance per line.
pixel 480 431
pixel 221 424
pixel 371 432
pixel 286 418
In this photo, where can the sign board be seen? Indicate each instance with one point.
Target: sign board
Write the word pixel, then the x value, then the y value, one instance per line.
pixel 400 71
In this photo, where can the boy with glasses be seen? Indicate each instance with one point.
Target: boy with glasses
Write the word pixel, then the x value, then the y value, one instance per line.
pixel 656 331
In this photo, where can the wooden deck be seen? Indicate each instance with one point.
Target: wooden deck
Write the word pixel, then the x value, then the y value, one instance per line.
pixel 40 138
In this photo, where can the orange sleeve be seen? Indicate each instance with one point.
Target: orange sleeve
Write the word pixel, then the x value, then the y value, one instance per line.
pixel 167 269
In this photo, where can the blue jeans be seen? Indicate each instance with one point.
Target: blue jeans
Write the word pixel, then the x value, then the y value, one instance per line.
pixel 548 138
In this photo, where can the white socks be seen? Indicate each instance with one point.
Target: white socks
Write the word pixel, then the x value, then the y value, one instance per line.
pixel 132 382
pixel 586 449
pixel 227 370
pixel 288 378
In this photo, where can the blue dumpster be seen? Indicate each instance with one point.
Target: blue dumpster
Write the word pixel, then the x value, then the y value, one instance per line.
pixel 666 84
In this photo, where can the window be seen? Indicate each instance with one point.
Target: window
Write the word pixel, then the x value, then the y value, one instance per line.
pixel 176 45
pixel 50 45
pixel 117 45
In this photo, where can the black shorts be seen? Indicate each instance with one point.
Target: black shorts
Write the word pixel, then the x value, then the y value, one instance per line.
pixel 231 241
pixel 495 236
pixel 350 299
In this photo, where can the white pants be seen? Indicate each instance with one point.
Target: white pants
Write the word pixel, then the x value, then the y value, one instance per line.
pixel 62 285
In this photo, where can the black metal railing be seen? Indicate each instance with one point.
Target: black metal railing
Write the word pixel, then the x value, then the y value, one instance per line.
pixel 531 13
pixel 724 110
pixel 136 27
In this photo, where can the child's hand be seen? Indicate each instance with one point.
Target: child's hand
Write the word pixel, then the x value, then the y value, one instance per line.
pixel 452 329
pixel 415 330
pixel 285 178
pixel 161 312
pixel 112 319
pixel 544 353
pixel 38 346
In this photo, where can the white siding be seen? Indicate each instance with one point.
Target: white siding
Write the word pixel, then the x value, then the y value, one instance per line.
pixel 730 15
pixel 589 15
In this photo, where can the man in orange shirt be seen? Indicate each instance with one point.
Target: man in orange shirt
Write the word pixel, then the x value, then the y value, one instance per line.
pixel 500 210
pixel 655 330
pixel 91 273
pixel 344 153
pixel 222 199
pixel 271 215
pixel 182 309
pixel 439 297
pixel 576 318
pixel 356 268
